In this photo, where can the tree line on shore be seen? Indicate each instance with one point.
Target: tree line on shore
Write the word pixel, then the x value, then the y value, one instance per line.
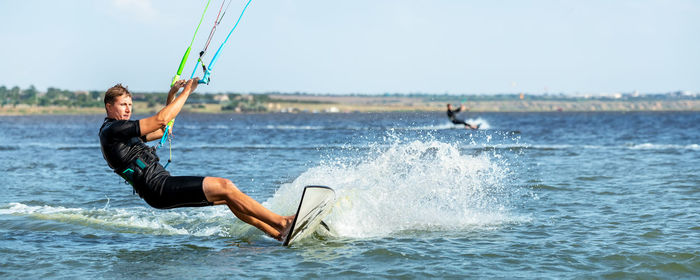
pixel 257 102
pixel 52 97
pixel 58 97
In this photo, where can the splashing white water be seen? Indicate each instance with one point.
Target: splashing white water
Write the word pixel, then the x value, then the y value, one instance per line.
pixel 482 123
pixel 394 187
pixel 415 186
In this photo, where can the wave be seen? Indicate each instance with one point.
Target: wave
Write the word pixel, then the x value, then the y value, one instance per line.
pixel 210 221
pixel 415 186
pixel 651 146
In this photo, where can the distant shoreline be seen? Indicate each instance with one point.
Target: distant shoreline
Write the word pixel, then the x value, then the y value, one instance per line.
pixel 17 101
pixel 345 104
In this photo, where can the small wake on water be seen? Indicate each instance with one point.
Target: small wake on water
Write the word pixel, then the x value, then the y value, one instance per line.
pixel 130 220
pixel 408 187
pixel 209 221
pixel 650 146
pixel 482 123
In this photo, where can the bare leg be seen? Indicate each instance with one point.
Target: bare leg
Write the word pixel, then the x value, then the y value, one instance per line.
pixel 223 191
pixel 269 230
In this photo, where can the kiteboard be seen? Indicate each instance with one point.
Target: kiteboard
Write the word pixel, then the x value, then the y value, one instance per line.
pixel 316 203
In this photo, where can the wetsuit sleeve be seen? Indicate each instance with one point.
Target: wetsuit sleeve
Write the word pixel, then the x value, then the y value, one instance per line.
pixel 123 129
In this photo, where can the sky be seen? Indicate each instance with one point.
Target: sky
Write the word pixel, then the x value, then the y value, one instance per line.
pixel 358 46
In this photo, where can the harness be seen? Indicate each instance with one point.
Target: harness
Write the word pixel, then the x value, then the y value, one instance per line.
pixel 137 168
pixel 138 163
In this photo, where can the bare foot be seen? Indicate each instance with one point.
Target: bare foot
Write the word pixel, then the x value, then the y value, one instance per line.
pixel 288 220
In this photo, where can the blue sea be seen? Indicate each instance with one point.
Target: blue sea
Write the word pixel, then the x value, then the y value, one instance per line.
pixel 530 195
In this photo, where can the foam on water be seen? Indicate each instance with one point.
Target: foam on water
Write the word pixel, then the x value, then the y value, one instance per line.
pixel 210 221
pixel 421 185
pixel 483 124
pixel 127 220
pixel 650 146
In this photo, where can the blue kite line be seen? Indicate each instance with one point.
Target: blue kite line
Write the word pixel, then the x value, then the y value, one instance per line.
pixel 205 79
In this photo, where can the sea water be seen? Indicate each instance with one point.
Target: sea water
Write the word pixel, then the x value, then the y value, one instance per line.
pixel 530 195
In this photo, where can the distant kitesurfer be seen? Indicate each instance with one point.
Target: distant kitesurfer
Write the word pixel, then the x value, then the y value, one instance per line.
pixel 124 149
pixel 452 115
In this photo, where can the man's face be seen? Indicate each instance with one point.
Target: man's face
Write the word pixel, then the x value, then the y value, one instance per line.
pixel 120 109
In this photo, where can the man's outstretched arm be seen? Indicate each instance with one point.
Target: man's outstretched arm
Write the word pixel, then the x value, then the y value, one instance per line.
pixel 155 123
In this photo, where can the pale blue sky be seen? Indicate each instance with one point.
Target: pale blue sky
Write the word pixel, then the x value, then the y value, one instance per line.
pixel 359 46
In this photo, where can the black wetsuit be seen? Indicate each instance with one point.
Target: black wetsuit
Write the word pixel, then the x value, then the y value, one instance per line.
pixel 452 115
pixel 123 147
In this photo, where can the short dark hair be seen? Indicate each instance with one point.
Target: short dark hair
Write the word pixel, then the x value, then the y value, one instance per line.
pixel 117 90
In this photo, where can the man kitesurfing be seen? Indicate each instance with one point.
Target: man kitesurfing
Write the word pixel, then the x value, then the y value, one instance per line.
pixel 123 147
pixel 452 115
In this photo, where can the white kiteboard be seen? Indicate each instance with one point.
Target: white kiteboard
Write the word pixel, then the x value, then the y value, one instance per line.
pixel 316 203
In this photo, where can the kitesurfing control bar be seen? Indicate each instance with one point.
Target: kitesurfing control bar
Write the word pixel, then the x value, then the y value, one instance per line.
pixel 189 48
